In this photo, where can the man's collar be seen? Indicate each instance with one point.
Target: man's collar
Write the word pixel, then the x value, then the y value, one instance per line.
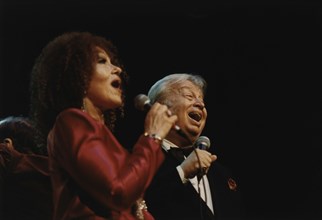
pixel 166 144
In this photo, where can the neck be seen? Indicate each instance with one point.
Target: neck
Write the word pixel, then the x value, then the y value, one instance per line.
pixel 93 111
pixel 178 140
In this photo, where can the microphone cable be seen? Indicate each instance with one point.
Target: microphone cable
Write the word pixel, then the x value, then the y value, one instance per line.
pixel 203 184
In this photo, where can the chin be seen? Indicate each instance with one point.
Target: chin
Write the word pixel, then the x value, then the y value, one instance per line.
pixel 118 101
pixel 114 104
pixel 195 132
pixel 118 104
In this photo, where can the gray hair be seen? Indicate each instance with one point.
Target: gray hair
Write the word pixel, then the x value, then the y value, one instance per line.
pixel 165 85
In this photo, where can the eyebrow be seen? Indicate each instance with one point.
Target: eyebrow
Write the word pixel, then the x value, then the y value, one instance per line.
pixel 190 90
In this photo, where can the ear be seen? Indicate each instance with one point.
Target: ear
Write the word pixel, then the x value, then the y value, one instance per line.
pixel 8 142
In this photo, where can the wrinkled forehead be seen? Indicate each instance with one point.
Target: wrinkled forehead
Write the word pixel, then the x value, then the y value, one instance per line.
pixel 187 86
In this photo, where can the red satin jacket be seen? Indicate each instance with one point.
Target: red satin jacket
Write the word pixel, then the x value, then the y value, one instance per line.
pixel 93 176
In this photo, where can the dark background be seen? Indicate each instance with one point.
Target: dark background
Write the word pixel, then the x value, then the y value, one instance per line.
pixel 262 60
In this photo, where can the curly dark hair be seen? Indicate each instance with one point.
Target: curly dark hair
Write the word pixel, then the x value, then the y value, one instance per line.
pixel 61 76
pixel 21 131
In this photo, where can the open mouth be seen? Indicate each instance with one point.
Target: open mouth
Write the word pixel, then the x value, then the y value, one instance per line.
pixel 195 116
pixel 116 83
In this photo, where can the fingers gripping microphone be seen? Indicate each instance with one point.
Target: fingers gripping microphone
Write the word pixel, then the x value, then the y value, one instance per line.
pixel 202 143
pixel 142 102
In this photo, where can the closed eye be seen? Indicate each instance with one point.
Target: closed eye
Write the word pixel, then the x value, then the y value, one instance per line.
pixel 189 97
pixel 101 60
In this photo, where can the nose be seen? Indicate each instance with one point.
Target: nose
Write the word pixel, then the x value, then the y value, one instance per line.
pixel 199 103
pixel 117 70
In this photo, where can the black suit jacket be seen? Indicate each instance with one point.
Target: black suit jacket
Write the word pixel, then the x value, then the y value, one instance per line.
pixel 169 199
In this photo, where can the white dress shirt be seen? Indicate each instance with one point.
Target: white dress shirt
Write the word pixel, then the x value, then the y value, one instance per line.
pixel 202 188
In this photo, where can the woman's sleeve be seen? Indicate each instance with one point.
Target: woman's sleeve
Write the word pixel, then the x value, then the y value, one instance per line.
pixel 94 158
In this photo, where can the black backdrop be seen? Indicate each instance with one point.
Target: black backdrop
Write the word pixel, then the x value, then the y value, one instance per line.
pixel 262 61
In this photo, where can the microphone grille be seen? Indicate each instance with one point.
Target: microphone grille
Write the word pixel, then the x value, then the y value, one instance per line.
pixel 140 102
pixel 203 142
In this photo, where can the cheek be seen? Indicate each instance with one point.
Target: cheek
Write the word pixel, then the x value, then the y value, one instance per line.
pixel 102 72
pixel 205 113
pixel 98 87
pixel 175 109
pixel 101 80
pixel 205 117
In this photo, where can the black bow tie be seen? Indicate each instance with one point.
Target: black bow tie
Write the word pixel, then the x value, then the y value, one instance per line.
pixel 179 153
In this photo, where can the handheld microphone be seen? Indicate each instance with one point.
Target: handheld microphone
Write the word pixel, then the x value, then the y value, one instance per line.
pixel 202 143
pixel 142 102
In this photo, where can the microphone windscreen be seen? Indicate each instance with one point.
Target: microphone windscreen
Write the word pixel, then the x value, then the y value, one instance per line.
pixel 142 102
pixel 203 143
